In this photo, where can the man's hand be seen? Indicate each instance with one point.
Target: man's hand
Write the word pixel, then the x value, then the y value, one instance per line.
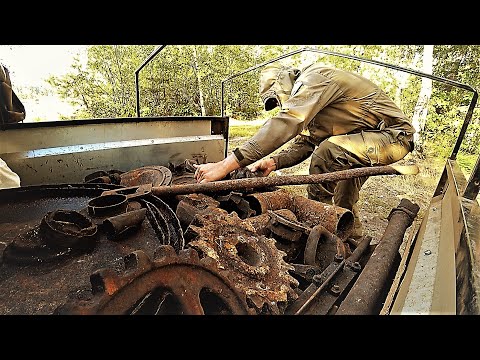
pixel 265 166
pixel 215 171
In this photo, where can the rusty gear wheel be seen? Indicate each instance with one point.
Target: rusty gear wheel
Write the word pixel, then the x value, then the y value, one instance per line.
pixel 171 284
pixel 254 264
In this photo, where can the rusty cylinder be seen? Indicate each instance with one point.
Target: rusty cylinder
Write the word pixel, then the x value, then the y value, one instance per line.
pixel 365 294
pixel 116 227
pixel 335 219
pixel 273 200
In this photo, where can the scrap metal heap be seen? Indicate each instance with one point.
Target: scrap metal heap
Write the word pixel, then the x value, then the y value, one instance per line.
pixel 87 249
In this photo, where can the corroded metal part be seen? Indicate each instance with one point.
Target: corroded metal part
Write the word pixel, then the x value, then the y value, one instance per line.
pixel 164 222
pixel 260 222
pixel 335 219
pixel 52 274
pixel 153 175
pixel 273 200
pixel 290 235
pixel 191 205
pixel 66 229
pixel 255 265
pixel 275 224
pixel 59 234
pixel 183 180
pixel 309 213
pixel 262 182
pixel 186 166
pixel 104 177
pixel 322 294
pixel 107 205
pixel 285 229
pixel 307 272
pixel 322 246
pixel 170 285
pixel 365 295
pixel 183 173
pixel 120 226
pixel 28 248
pixel 243 173
pixel 235 201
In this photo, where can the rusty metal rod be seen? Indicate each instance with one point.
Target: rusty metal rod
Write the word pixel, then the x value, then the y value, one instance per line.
pixel 261 182
pixel 320 288
pixel 365 294
pixel 356 255
pixel 360 249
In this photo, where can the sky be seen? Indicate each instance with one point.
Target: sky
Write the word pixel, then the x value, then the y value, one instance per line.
pixel 30 65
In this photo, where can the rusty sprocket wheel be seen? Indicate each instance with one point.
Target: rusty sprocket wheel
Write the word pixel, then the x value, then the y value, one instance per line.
pixel 254 264
pixel 170 285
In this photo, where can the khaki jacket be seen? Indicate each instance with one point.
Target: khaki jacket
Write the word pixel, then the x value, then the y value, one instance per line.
pixel 323 102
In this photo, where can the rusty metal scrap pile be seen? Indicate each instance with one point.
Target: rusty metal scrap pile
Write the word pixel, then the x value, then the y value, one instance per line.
pixel 128 251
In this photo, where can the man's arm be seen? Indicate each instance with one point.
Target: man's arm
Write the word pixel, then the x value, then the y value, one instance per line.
pixel 315 92
pixel 281 129
pixel 216 171
pixel 301 148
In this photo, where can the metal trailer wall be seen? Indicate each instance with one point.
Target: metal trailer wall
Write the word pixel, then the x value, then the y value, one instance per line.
pixel 67 151
pixel 443 277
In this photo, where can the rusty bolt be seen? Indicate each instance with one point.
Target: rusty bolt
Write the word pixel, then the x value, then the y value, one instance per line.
pixel 338 257
pixel 356 266
pixel 335 290
pixel 317 280
pixel 310 273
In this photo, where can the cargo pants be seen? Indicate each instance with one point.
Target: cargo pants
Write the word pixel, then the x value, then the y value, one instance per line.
pixel 341 152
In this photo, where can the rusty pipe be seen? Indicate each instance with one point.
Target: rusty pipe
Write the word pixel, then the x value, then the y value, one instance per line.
pixel 335 219
pixel 365 294
pixel 273 200
pixel 116 227
pixel 262 182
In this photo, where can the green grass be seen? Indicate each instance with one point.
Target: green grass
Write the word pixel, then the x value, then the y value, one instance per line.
pixel 243 130
pixel 466 163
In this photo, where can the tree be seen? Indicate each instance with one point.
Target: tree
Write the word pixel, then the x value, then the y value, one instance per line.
pixel 185 81
pixel 449 104
pixel 421 108
pixel 104 86
pixel 199 81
